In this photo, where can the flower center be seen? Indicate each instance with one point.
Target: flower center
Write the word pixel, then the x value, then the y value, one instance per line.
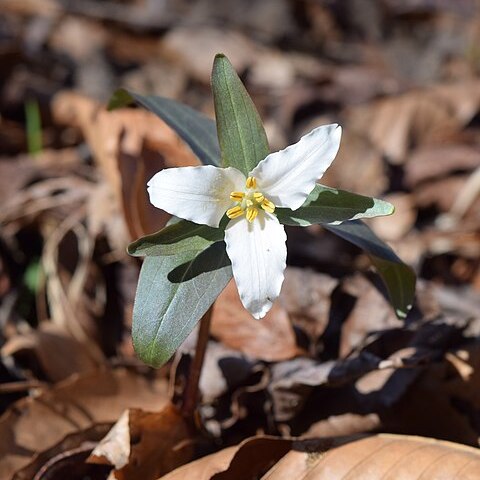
pixel 249 202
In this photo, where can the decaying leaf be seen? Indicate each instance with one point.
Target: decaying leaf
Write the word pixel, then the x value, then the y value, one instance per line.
pixel 248 460
pixel 381 457
pixel 417 117
pixel 58 354
pixel 76 404
pixel 129 146
pixel 272 339
pixel 377 457
pixel 146 444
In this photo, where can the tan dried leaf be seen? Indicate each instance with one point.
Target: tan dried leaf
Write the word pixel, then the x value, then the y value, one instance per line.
pixel 55 350
pixel 129 146
pixel 35 424
pixel 379 457
pixel 272 339
pixel 417 117
pixel 248 459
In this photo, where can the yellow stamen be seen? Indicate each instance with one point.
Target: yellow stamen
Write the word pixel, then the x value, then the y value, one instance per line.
pixel 234 212
pixel 251 182
pixel 268 206
pixel 237 196
pixel 252 213
pixel 258 197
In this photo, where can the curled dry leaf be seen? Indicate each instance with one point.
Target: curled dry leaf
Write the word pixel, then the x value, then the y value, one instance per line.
pixel 36 424
pixel 146 444
pixel 128 146
pixel 272 339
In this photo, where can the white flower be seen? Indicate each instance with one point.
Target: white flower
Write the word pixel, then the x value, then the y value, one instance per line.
pixel 254 237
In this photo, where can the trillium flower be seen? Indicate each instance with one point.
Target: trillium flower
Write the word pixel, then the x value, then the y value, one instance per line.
pixel 254 237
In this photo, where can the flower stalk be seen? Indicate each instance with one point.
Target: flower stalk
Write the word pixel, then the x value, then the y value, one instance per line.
pixel 190 395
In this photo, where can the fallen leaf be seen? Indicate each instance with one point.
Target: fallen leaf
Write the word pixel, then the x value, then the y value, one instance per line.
pixel 438 160
pixel 417 117
pixel 248 460
pixel 398 225
pixel 146 444
pixel 129 147
pixel 358 167
pixel 194 47
pixel 380 457
pixel 52 349
pixel 37 423
pixel 272 339
pixel 306 295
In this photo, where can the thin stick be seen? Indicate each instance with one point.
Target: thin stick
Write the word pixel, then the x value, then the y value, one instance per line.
pixel 190 396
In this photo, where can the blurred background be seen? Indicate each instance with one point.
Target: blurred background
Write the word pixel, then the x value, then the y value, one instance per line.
pixel 401 77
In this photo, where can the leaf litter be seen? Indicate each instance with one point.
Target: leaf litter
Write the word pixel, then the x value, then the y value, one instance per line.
pixel 331 366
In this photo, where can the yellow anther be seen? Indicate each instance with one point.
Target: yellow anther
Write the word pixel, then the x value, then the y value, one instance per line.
pixel 252 213
pixel 268 206
pixel 251 182
pixel 258 197
pixel 234 212
pixel 237 196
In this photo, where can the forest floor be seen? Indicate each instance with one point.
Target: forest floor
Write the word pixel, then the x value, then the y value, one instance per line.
pixel 331 363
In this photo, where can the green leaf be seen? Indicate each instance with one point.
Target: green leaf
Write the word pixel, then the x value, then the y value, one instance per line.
pixel 172 295
pixel 399 279
pixel 242 138
pixel 329 205
pixel 196 130
pixel 179 236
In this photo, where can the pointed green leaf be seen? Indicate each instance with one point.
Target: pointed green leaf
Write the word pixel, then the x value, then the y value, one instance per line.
pixel 241 135
pixel 399 279
pixel 172 295
pixel 329 205
pixel 177 237
pixel 196 130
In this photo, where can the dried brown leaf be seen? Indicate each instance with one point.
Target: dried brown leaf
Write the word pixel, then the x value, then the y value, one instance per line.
pixel 248 460
pixel 54 350
pixel 417 117
pixel 398 225
pixel 36 424
pixel 358 166
pixel 146 444
pixel 436 161
pixel 129 146
pixel 194 47
pixel 272 339
pixel 380 457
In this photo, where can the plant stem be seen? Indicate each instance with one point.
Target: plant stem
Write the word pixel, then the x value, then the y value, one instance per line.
pixel 190 396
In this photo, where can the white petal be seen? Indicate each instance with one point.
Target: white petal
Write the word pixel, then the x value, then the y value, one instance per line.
pixel 258 254
pixel 288 176
pixel 198 194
